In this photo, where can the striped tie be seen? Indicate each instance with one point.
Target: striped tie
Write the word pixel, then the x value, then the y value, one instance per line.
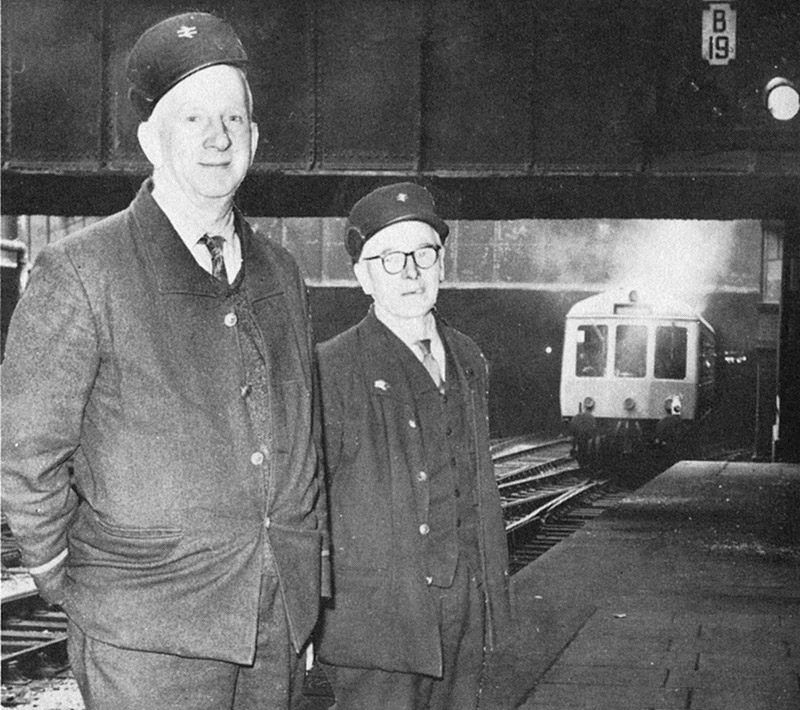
pixel 430 361
pixel 214 245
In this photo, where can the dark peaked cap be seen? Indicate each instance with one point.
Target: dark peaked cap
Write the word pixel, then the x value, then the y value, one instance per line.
pixel 175 48
pixel 401 202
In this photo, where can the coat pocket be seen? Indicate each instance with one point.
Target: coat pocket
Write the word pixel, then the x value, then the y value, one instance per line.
pixel 96 543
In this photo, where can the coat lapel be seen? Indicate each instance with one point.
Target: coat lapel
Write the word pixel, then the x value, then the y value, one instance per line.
pixel 172 264
pixel 262 279
pixel 389 365
pixel 459 359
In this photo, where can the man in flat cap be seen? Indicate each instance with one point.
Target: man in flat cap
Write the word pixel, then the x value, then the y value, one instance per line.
pixel 160 471
pixel 417 538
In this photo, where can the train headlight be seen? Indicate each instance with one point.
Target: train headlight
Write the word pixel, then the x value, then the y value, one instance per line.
pixel 629 404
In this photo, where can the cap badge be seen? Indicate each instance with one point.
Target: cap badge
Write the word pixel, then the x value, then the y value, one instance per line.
pixel 185 32
pixel 402 197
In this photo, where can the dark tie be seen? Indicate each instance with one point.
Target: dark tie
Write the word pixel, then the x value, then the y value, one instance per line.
pixel 430 361
pixel 214 245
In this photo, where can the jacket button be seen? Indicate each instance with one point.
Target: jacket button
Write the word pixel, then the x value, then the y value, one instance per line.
pixel 424 529
pixel 231 320
pixel 245 391
pixel 422 476
pixel 257 458
pixel 412 424
pixel 429 581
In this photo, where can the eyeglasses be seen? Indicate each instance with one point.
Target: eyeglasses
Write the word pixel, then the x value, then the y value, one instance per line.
pixel 395 261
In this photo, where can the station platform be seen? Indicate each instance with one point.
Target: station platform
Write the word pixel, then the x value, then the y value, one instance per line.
pixel 685 594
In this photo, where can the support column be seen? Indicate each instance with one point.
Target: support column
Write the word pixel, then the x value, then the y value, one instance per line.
pixel 787 446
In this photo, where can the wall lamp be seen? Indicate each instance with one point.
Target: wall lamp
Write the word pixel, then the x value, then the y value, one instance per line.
pixel 782 98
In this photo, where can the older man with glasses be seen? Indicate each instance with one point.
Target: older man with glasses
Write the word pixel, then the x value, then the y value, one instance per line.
pixel 418 544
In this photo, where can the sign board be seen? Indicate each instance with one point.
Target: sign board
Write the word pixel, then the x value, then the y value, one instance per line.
pixel 719 33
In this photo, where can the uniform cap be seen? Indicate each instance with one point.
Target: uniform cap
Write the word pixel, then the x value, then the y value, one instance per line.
pixel 401 202
pixel 173 49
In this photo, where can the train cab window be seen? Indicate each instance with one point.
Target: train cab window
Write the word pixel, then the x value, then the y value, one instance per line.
pixel 591 349
pixel 670 361
pixel 630 356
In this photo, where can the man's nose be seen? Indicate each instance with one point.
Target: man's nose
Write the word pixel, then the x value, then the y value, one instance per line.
pixel 410 269
pixel 217 135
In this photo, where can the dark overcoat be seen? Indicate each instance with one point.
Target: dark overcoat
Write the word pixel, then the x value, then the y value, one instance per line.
pixel 123 357
pixel 377 433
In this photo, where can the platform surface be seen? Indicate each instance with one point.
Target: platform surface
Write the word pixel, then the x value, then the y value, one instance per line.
pixel 686 594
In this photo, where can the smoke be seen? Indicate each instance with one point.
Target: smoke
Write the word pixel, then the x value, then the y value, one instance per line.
pixel 684 259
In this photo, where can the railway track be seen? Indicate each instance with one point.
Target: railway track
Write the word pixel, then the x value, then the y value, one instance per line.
pixel 536 478
pixel 545 495
pixel 33 633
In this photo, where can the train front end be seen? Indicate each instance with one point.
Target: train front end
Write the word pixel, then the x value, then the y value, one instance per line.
pixel 634 362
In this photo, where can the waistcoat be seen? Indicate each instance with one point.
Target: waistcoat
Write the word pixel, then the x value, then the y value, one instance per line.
pixel 452 515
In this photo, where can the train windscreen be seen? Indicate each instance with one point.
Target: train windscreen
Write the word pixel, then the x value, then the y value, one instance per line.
pixel 630 356
pixel 592 347
pixel 670 361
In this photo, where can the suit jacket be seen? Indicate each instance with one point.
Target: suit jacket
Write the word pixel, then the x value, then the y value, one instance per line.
pixel 123 358
pixel 376 442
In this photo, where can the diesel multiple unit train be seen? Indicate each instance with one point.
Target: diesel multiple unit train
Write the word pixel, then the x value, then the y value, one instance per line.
pixel 633 359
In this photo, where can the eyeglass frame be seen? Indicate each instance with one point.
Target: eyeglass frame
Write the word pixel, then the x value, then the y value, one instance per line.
pixel 436 248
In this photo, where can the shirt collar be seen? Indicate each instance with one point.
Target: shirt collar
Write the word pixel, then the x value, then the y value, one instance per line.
pixel 409 330
pixel 184 223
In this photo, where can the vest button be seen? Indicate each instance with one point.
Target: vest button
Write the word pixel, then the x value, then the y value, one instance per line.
pixel 422 476
pixel 231 320
pixel 257 458
pixel 245 391
pixel 412 424
pixel 424 529
pixel 429 581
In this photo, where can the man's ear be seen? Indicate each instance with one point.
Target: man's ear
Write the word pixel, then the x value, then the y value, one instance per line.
pixel 361 271
pixel 253 141
pixel 147 134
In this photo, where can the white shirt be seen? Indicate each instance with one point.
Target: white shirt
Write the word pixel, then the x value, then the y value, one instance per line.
pixel 411 331
pixel 191 231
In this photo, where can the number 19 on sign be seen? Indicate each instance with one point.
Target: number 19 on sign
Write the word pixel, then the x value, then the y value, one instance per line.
pixel 719 33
